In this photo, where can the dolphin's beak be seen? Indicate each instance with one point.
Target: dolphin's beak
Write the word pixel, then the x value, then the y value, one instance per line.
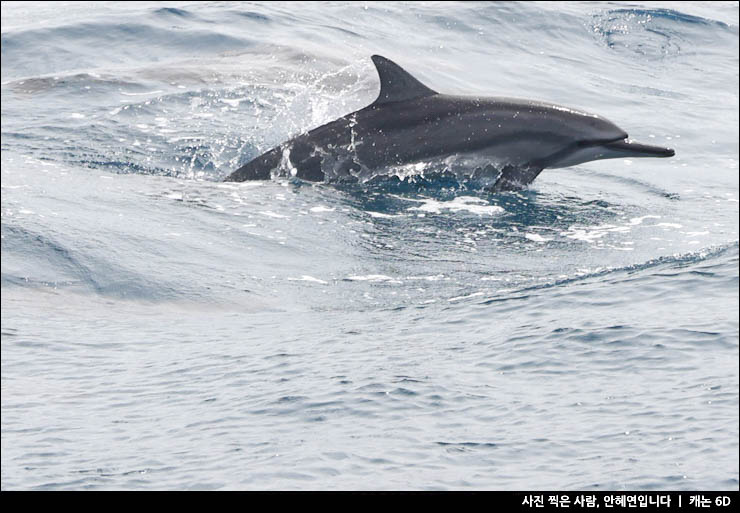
pixel 635 149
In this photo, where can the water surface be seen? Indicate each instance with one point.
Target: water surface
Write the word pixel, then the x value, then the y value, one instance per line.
pixel 163 329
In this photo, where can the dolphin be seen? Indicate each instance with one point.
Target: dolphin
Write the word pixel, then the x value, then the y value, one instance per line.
pixel 409 123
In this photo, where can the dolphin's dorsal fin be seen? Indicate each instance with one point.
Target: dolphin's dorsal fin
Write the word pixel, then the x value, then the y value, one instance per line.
pixel 396 84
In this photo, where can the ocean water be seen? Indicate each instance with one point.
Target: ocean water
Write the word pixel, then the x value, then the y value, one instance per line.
pixel 162 329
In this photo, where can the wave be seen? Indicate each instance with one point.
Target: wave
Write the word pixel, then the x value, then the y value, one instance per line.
pixel 657 34
pixel 94 45
pixel 721 261
pixel 33 260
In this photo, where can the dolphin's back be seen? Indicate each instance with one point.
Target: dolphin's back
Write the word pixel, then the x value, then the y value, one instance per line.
pixel 519 132
pixel 259 168
pixel 395 133
pixel 302 155
pixel 410 123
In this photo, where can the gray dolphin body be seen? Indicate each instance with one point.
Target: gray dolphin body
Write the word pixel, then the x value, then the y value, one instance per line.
pixel 410 123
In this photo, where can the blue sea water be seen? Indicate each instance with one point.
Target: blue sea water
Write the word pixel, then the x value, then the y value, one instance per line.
pixel 162 329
